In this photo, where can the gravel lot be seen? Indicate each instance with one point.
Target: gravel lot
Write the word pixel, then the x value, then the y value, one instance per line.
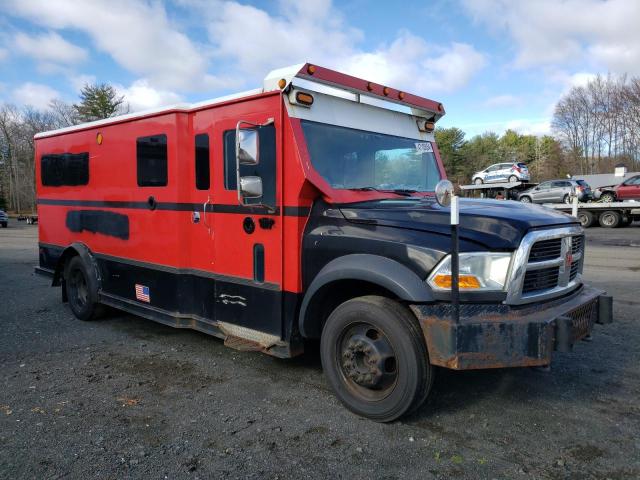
pixel 124 397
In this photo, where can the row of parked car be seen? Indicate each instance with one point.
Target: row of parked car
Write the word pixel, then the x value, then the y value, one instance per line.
pixel 557 191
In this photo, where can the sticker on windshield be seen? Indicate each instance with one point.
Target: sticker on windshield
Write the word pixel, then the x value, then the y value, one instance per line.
pixel 424 147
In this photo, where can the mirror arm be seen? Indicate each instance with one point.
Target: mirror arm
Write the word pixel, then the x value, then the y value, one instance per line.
pixel 238 125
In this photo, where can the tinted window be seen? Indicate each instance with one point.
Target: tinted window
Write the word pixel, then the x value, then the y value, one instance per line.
pixel 560 184
pixel 202 162
pixel 522 165
pixel 266 169
pixel 544 185
pixel 64 169
pixel 582 182
pixel 151 153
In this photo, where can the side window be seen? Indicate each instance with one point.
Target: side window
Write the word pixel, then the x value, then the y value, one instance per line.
pixel 202 161
pixel 64 169
pixel 266 168
pixel 151 154
pixel 560 184
pixel 544 186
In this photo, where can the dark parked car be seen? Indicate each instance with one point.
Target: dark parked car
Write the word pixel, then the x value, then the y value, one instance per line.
pixel 4 219
pixel 557 191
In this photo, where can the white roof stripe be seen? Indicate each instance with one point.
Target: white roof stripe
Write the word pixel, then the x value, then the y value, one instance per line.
pixel 180 107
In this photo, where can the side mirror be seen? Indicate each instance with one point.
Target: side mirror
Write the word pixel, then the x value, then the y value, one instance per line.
pixel 444 191
pixel 250 187
pixel 247 147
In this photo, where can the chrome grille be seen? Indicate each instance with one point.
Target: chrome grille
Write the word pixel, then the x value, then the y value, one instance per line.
pixel 545 250
pixel 547 264
pixel 540 279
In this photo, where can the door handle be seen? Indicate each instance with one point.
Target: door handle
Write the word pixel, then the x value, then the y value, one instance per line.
pixel 204 213
pixel 195 217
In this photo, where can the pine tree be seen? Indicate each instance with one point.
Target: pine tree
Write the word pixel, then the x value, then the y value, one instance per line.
pixel 98 101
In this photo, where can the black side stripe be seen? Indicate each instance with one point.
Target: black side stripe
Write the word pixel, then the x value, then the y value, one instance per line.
pixel 289 211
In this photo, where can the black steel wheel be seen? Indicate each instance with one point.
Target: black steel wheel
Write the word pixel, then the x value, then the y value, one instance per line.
pixel 375 358
pixel 81 290
pixel 610 219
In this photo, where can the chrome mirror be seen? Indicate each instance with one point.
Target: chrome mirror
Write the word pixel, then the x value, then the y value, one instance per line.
pixel 247 147
pixel 250 187
pixel 444 192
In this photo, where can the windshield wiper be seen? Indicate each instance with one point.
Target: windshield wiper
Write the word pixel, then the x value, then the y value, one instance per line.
pixel 399 191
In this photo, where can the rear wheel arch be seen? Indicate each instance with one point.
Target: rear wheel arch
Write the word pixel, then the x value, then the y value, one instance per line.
pixel 353 276
pixel 73 250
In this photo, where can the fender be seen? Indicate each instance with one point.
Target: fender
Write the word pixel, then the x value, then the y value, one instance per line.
pixel 84 253
pixel 384 272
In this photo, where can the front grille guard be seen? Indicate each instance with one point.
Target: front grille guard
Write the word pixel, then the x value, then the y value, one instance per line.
pixel 520 265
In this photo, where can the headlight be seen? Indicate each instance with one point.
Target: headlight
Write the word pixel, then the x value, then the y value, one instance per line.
pixel 483 271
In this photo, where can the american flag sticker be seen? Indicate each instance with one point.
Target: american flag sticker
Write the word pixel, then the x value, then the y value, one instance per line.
pixel 142 293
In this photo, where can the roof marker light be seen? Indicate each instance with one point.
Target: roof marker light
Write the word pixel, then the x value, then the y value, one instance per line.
pixel 369 86
pixel 385 90
pixel 401 95
pixel 311 69
pixel 282 83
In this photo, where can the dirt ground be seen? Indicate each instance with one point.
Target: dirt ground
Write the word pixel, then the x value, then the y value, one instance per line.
pixel 124 397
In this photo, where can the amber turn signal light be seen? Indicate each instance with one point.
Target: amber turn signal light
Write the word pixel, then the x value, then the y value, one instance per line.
pixel 304 99
pixel 469 282
pixel 99 139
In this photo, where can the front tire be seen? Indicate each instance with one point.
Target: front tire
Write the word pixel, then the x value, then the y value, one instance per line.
pixel 374 356
pixel 478 181
pixel 586 218
pixel 81 290
pixel 608 197
pixel 525 199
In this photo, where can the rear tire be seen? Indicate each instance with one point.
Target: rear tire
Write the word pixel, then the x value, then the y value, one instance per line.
pixel 82 291
pixel 478 181
pixel 4 224
pixel 586 218
pixel 525 199
pixel 513 179
pixel 610 219
pixel 566 199
pixel 374 356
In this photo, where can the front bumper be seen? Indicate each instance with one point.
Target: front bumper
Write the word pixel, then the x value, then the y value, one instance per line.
pixel 499 336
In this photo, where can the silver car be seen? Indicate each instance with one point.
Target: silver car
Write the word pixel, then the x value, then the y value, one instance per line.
pixel 502 172
pixel 557 191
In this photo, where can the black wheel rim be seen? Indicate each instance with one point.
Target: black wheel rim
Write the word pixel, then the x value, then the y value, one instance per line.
pixel 367 362
pixel 78 289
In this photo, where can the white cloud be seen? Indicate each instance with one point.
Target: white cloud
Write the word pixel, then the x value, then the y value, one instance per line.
pixel 547 32
pixel 136 34
pixel 140 95
pixel 35 95
pixel 4 53
pixel 256 42
pixel 503 101
pixel 50 48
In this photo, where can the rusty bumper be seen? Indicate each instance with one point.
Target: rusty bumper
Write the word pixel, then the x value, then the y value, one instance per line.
pixel 498 336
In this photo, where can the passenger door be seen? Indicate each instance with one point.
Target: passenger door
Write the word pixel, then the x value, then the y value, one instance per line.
pixel 558 190
pixel 492 173
pixel 541 192
pixel 630 189
pixel 247 238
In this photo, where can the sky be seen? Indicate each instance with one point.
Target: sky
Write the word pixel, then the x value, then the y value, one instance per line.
pixel 494 64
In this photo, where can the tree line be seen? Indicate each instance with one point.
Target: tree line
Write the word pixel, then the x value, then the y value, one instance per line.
pixel 19 125
pixel 594 128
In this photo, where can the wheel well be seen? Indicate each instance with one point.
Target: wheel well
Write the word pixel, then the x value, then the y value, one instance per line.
pixel 67 255
pixel 329 296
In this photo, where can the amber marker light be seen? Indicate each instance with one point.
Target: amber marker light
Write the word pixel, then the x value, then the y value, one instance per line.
pixel 469 282
pixel 282 83
pixel 99 139
pixel 401 95
pixel 304 99
pixel 369 86
pixel 385 90
pixel 311 69
pixel 429 126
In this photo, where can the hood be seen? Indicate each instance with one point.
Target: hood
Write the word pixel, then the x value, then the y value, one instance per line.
pixel 496 224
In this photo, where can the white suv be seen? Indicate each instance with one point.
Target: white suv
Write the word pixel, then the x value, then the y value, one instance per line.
pixel 502 172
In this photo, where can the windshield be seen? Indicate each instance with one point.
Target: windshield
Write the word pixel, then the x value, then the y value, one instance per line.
pixel 356 159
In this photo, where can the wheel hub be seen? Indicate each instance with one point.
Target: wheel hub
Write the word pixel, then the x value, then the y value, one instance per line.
pixel 362 361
